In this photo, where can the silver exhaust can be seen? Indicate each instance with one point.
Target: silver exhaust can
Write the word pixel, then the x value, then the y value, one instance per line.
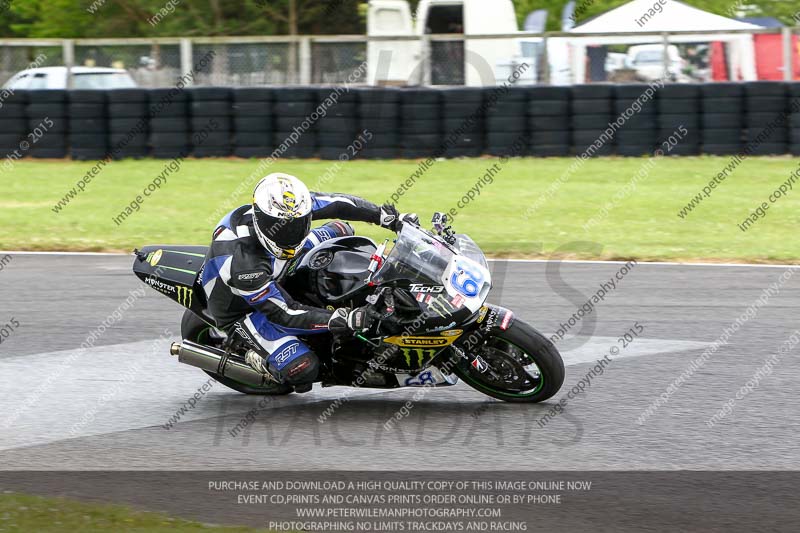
pixel 217 361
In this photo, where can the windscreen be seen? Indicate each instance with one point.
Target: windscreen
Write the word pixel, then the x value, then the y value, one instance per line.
pixel 102 80
pixel 470 249
pixel 417 257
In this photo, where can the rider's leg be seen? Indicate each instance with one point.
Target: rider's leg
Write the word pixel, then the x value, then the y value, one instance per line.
pixel 277 353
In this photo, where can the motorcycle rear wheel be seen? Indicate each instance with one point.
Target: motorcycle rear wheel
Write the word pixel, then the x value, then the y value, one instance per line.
pixel 524 366
pixel 196 330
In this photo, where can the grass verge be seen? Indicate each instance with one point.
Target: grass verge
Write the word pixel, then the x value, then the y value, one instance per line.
pixel 642 203
pixel 23 513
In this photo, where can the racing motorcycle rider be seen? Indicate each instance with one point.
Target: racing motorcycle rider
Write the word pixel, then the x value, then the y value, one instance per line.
pixel 251 247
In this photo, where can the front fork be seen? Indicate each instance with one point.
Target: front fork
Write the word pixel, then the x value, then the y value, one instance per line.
pixel 491 318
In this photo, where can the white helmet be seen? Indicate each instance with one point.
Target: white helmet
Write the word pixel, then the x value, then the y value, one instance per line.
pixel 281 213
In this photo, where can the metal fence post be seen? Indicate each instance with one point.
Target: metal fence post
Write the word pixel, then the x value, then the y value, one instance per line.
pixel 665 39
pixel 426 74
pixel 305 61
pixel 788 64
pixel 68 52
pixel 186 60
pixel 545 67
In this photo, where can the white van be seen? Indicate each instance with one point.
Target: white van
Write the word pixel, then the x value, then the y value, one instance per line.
pixel 476 62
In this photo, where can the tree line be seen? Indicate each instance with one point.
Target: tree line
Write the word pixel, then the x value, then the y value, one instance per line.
pixel 169 18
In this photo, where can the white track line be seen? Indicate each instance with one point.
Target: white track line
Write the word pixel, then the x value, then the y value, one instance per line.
pixel 18 252
pixel 574 261
pixel 70 394
pixel 654 263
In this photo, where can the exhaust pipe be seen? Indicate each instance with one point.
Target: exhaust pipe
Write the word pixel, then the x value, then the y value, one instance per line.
pixel 218 362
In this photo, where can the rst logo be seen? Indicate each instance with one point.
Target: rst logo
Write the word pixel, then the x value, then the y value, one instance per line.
pixel 419 287
pixel 286 353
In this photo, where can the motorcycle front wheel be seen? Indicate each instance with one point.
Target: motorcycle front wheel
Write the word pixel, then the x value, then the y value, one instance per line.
pixel 523 366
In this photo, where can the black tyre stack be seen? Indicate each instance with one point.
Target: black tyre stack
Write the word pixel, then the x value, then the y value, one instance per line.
pixel 463 121
pixel 13 125
pixel 766 103
pixel 47 114
pixel 592 111
pixel 88 124
pixel 548 118
pixel 211 123
pixel 379 116
pixel 339 127
pixel 252 122
pixel 506 122
pixel 679 114
pixel 721 118
pixel 169 123
pixel 420 123
pixel 794 118
pixel 638 136
pixel 295 133
pixel 128 118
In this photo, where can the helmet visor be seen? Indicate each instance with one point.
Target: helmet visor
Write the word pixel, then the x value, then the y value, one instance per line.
pixel 287 233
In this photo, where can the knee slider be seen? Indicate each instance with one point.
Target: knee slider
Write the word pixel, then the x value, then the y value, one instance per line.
pixel 304 369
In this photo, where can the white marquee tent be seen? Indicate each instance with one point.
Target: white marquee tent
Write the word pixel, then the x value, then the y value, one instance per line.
pixel 627 21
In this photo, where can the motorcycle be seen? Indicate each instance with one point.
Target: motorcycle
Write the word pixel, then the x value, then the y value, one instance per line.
pixel 427 295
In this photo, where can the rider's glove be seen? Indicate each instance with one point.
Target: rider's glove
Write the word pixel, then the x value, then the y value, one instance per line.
pixel 344 319
pixel 393 220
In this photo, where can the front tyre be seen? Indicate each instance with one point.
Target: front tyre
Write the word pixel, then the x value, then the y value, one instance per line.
pixel 524 366
pixel 196 330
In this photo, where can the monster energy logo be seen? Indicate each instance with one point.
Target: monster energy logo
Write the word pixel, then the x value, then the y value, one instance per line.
pixel 440 306
pixel 185 296
pixel 420 354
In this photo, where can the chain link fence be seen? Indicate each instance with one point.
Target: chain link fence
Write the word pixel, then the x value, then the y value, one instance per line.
pixel 244 64
pixel 16 58
pixel 150 65
pixel 333 62
pixel 451 59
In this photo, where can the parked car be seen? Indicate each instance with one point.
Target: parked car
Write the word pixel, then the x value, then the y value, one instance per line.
pixel 615 61
pixel 648 62
pixel 80 78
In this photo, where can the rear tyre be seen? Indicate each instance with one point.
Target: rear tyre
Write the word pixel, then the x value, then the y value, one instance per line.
pixel 196 330
pixel 527 367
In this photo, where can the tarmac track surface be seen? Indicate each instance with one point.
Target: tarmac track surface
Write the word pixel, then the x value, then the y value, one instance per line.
pixel 107 407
